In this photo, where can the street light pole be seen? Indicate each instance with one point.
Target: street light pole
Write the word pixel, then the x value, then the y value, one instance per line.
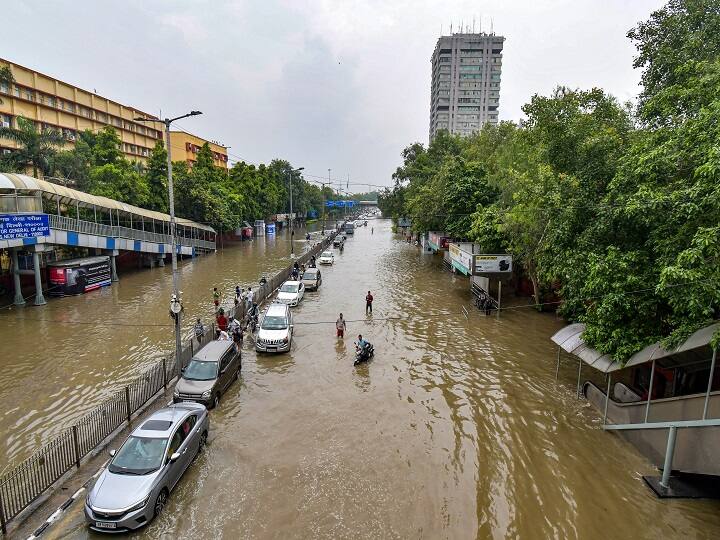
pixel 175 302
pixel 292 228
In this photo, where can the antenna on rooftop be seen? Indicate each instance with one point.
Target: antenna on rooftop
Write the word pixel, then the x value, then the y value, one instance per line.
pixel 473 31
pixel 492 25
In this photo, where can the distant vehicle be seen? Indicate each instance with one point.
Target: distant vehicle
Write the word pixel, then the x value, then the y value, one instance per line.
pixel 312 279
pixel 327 257
pixel 209 374
pixel 291 293
pixel 135 486
pixel 276 330
pixel 350 228
pixel 339 240
pixel 78 276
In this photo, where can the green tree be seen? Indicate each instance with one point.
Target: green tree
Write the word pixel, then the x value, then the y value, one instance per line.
pixel 36 148
pixel 156 178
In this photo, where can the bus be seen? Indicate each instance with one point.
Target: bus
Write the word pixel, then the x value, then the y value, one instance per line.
pixel 78 276
pixel 350 227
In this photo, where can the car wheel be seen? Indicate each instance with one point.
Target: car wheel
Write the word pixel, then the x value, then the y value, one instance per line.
pixel 202 443
pixel 160 502
pixel 216 401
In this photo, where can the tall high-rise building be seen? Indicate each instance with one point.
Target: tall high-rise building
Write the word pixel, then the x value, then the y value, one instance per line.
pixel 465 91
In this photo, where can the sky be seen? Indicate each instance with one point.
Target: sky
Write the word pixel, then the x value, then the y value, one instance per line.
pixel 325 84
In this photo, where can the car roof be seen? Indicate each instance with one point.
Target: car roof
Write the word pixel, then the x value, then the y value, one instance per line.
pixel 213 350
pixel 291 282
pixel 162 422
pixel 277 309
pixel 311 271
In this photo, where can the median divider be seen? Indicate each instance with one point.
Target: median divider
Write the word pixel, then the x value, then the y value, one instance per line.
pixel 27 485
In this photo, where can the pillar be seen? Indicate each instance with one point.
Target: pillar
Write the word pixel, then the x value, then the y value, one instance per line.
pixel 113 266
pixel 161 261
pixel 39 298
pixel 19 300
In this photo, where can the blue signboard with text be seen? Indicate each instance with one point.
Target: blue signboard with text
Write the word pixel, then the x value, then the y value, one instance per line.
pixel 14 226
pixel 329 204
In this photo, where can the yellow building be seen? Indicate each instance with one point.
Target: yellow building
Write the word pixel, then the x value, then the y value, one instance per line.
pixel 52 103
pixel 185 146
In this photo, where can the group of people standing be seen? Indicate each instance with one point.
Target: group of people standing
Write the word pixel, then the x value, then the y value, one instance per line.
pixel 228 327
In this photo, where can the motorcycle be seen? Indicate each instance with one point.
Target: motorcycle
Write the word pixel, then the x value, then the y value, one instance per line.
pixel 252 317
pixel 363 354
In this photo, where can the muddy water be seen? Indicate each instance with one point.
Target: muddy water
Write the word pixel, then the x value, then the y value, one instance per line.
pixel 456 429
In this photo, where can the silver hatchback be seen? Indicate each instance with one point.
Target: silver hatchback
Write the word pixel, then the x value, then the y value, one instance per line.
pixel 135 485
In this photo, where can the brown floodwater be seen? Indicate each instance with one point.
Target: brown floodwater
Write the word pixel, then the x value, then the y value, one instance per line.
pixel 456 429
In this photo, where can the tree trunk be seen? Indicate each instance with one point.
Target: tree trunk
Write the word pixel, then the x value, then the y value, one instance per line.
pixel 536 288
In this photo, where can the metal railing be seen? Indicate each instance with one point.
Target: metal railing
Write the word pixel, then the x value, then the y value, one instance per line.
pixel 65 223
pixel 25 483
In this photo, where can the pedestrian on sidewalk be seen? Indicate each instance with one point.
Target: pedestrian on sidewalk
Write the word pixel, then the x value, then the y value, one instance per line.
pixel 340 326
pixel 368 303
pixel 238 291
pixel 216 297
pixel 199 330
pixel 221 320
pixel 249 297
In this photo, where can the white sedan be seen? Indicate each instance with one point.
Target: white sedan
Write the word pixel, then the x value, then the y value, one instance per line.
pixel 291 292
pixel 327 257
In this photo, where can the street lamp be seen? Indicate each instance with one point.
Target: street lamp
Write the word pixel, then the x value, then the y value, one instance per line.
pixel 292 231
pixel 175 300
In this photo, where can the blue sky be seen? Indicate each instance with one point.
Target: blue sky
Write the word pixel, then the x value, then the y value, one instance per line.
pixel 324 83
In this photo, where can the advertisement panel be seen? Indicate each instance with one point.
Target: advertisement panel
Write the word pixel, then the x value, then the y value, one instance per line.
pixel 492 263
pixel 438 240
pixel 13 226
pixel 462 260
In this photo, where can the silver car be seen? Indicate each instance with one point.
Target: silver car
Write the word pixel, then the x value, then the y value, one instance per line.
pixel 276 330
pixel 209 374
pixel 135 485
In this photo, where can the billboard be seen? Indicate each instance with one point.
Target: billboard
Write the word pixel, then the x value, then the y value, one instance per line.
pixel 13 226
pixel 493 263
pixel 461 259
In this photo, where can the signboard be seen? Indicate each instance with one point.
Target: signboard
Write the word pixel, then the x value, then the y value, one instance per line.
pixel 350 203
pixel 438 240
pixel 329 204
pixel 404 222
pixel 493 263
pixel 461 259
pixel 14 226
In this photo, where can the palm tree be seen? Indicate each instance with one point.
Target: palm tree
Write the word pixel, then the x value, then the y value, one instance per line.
pixel 35 147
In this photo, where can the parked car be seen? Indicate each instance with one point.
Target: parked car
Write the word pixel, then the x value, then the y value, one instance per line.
pixel 327 257
pixel 134 487
pixel 291 293
pixel 209 374
pixel 276 330
pixel 312 279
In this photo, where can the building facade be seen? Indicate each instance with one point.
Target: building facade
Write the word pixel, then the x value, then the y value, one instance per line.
pixel 185 146
pixel 51 103
pixel 465 89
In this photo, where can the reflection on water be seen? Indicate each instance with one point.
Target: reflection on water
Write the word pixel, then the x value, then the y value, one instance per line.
pixel 456 428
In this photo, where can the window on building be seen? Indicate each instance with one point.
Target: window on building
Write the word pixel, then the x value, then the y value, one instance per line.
pixel 4 87
pixel 6 120
pixel 16 91
pixel 69 107
pixel 28 94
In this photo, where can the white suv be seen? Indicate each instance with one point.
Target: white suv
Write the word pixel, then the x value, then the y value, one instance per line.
pixel 276 330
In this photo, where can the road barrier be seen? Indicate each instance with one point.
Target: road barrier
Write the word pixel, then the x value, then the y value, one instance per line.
pixel 27 482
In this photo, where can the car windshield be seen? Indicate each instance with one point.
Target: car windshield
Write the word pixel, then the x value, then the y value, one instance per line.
pixel 139 455
pixel 274 322
pixel 327 254
pixel 200 371
pixel 289 287
pixel 309 275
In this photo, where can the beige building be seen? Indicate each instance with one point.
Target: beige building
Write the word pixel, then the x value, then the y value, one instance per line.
pixel 52 103
pixel 185 146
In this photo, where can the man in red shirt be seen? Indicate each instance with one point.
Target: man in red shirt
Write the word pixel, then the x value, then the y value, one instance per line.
pixel 368 303
pixel 222 321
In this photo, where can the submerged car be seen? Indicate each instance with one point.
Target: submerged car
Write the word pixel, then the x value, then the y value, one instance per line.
pixel 327 257
pixel 135 486
pixel 276 330
pixel 290 293
pixel 312 279
pixel 210 372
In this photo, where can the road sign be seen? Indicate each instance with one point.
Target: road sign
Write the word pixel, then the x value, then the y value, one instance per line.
pixel 13 226
pixel 329 204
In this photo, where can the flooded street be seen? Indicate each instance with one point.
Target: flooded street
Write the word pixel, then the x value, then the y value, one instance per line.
pixel 456 429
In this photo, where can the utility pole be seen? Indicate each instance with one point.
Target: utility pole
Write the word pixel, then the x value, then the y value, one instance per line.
pixel 175 300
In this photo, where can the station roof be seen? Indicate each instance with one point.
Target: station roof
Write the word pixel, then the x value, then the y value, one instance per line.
pixel 693 349
pixel 66 195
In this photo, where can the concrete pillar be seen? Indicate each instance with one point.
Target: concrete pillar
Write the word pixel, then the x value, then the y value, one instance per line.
pixel 39 298
pixel 113 266
pixel 19 300
pixel 161 261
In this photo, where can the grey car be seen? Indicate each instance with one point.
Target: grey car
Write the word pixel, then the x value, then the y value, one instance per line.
pixel 209 374
pixel 135 485
pixel 312 279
